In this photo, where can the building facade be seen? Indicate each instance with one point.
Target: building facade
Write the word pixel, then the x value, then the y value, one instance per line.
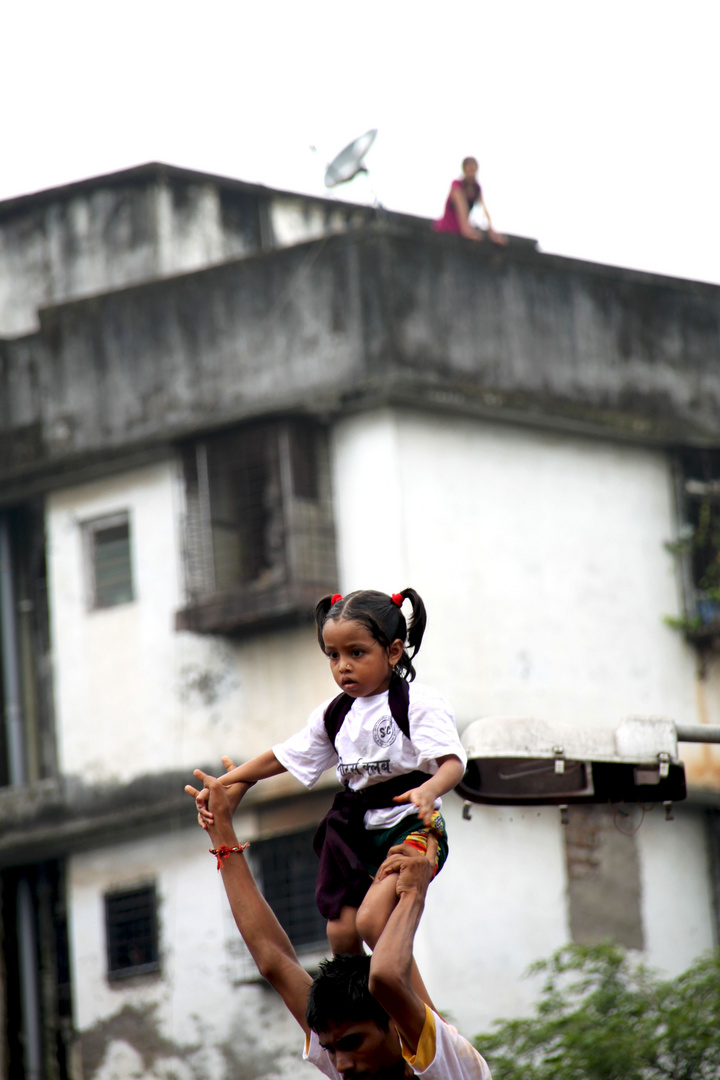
pixel 219 402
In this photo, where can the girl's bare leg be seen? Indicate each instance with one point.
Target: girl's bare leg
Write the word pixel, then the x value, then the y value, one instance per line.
pixel 343 933
pixel 371 919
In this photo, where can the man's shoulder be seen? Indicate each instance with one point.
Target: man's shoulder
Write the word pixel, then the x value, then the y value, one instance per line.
pixel 442 1051
pixel 320 1058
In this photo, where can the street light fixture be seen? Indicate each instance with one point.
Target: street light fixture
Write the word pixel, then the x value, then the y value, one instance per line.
pixel 515 762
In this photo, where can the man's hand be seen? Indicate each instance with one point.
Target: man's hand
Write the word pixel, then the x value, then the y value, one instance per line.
pixel 413 868
pixel 234 794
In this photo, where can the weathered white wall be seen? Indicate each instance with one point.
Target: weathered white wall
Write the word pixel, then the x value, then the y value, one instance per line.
pixel 294 221
pixel 132 695
pixel 540 558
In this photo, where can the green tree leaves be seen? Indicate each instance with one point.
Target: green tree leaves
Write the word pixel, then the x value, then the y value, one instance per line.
pixel 601 1016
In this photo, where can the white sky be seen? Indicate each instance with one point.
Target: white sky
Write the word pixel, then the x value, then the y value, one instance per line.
pixel 595 124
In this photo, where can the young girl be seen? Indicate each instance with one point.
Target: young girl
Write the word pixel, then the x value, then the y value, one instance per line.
pixel 396 750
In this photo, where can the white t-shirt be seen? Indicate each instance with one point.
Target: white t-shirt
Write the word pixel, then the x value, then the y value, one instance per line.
pixel 371 748
pixel 442 1054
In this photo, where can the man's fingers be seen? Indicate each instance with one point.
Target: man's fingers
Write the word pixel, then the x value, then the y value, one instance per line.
pixel 192 791
pixel 432 848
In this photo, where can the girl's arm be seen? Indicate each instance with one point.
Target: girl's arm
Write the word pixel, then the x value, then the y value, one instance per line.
pixel 450 773
pixel 258 768
pixel 496 237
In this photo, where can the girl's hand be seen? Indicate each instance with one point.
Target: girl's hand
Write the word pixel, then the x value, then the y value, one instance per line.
pixel 423 800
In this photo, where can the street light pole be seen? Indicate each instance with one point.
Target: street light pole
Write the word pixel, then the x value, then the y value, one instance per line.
pixel 702 733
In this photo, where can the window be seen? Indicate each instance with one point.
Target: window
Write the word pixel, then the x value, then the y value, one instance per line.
pixel 259 542
pixel 697 484
pixel 132 932
pixel 286 869
pixel 107 544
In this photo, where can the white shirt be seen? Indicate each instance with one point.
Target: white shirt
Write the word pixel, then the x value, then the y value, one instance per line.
pixel 370 747
pixel 441 1054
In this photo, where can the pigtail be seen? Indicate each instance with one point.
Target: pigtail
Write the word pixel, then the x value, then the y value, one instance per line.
pixel 322 610
pixel 415 631
pixel 418 620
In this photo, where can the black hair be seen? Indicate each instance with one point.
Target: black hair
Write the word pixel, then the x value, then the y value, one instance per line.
pixel 382 617
pixel 340 994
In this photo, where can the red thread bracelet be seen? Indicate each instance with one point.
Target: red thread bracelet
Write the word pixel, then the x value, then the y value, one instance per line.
pixel 223 852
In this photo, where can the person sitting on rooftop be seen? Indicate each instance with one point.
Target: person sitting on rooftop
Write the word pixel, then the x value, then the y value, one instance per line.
pixel 464 195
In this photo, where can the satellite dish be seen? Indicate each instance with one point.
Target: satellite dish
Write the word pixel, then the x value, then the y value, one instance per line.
pixel 349 162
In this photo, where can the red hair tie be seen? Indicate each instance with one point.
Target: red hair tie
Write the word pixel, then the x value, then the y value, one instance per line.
pixel 334 598
pixel 397 598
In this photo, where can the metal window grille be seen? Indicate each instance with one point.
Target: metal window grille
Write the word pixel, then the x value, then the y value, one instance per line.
pixel 257 509
pixel 132 932
pixel 108 546
pixel 286 869
pixel 697 484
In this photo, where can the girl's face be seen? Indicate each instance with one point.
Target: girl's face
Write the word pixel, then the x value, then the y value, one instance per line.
pixel 470 168
pixel 360 665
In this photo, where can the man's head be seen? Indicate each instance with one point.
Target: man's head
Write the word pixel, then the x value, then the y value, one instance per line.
pixel 350 1024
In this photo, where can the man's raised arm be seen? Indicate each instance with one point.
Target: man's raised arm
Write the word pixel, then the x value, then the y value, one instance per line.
pixel 391 961
pixel 268 943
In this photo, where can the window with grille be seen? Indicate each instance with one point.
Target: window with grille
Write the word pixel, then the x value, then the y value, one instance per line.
pixel 259 539
pixel 697 485
pixel 132 932
pixel 286 870
pixel 107 546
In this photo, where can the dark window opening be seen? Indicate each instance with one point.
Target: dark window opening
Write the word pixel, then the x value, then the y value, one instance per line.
pixel 698 544
pixel 132 932
pixel 110 564
pixel 286 868
pixel 33 922
pixel 713 828
pixel 259 541
pixel 27 749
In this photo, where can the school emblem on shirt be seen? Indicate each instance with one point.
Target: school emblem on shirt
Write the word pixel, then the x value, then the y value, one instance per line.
pixel 385 731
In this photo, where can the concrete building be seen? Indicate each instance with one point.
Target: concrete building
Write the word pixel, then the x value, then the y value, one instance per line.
pixel 217 403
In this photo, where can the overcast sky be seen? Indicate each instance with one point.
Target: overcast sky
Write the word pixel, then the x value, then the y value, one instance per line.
pixel 595 124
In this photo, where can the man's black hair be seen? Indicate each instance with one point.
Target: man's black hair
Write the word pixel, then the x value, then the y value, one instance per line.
pixel 340 994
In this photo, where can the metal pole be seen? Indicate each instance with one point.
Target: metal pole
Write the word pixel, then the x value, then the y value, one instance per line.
pixel 10 665
pixel 29 983
pixel 27 945
pixel 702 733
